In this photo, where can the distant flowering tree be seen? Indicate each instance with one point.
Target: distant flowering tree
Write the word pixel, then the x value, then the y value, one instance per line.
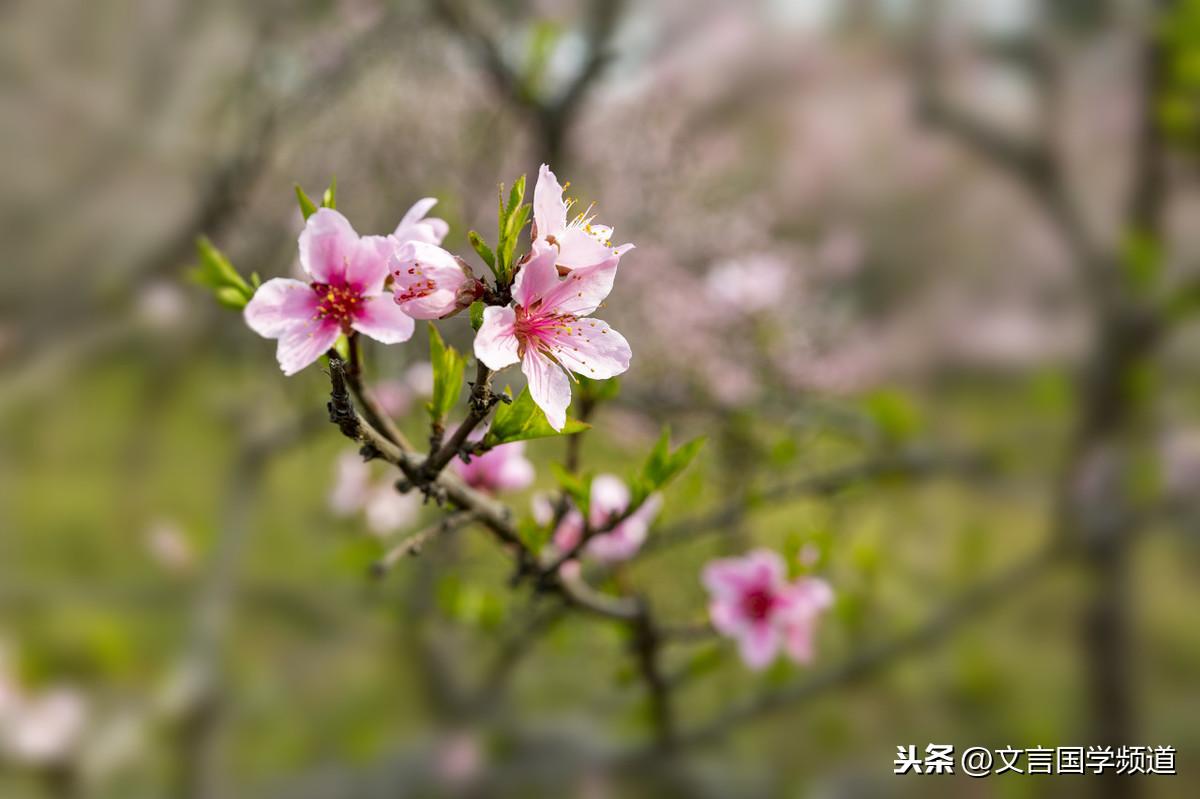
pixel 535 311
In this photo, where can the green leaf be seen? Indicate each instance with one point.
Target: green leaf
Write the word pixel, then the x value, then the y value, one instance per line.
pixel 522 420
pixel 448 367
pixel 1141 256
pixel 663 465
pixel 231 298
pixel 342 346
pixel 894 413
pixel 217 273
pixel 512 218
pixel 545 36
pixel 516 223
pixel 481 247
pixel 476 312
pixel 578 487
pixel 329 199
pixel 307 206
pixel 598 390
pixel 516 196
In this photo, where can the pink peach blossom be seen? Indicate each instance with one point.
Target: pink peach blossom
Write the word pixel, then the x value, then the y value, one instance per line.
pixel 430 283
pixel 547 333
pixel 579 242
pixel 46 728
pixel 387 510
pixel 502 468
pixel 351 484
pixel 384 508
pixel 415 226
pixel 753 603
pixel 38 729
pixel 609 499
pixel 344 295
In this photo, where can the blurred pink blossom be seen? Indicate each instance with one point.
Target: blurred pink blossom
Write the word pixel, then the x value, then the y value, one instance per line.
pixel 385 509
pixel 609 499
pixel 419 378
pixel 459 758
pixel 345 294
pixel 394 397
pixel 168 545
pixel 38 729
pixel 753 603
pixel 748 285
pixel 502 468
pixel 351 482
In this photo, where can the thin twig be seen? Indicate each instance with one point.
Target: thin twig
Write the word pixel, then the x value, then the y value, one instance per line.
pixel 412 545
pixel 914 463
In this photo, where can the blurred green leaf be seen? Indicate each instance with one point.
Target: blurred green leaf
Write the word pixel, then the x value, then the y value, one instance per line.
pixel 578 487
pixel 448 368
pixel 598 390
pixel 1141 259
pixel 342 346
pixel 662 465
pixel 329 199
pixel 545 36
pixel 476 313
pixel 894 414
pixel 522 420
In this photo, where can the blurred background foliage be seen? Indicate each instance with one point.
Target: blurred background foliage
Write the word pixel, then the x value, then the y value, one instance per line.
pixel 836 274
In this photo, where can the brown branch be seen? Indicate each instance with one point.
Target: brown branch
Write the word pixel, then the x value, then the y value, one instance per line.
pixel 914 463
pixel 647 645
pixel 1035 162
pixel 481 404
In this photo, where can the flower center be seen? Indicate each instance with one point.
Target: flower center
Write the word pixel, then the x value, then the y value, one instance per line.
pixel 757 603
pixel 339 303
pixel 541 330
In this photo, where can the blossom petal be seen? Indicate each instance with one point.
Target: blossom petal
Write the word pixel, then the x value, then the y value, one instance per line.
pixel 758 645
pixel 368 266
pixel 727 577
pixel 577 248
pixel 591 348
pixel 569 531
pixel 609 497
pixel 798 639
pixel 766 568
pixel 548 385
pixel 582 290
pixel 725 617
pixel 549 208
pixel 516 471
pixel 496 342
pixel 415 226
pixel 279 304
pixel 300 345
pixel 383 320
pixel 327 244
pixel 538 277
